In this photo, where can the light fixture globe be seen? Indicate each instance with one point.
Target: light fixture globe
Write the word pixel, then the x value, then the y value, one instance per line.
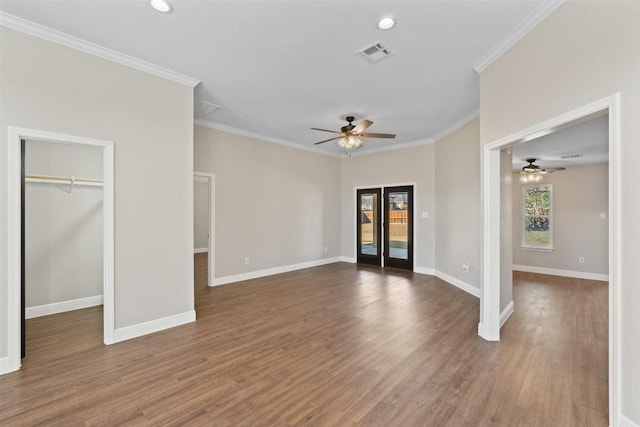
pixel 386 23
pixel 161 6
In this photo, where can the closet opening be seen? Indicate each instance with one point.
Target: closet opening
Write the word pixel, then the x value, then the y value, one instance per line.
pixel 60 244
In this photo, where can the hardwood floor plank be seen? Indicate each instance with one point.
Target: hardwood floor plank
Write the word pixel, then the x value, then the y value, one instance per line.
pixel 336 345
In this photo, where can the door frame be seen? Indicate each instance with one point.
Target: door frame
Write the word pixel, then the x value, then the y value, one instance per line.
pixel 14 240
pixel 416 225
pixel 211 184
pixel 489 325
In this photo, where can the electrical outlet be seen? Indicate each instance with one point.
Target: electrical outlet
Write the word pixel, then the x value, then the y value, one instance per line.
pixel 581 260
pixel 465 267
pixel 326 249
pixel 246 260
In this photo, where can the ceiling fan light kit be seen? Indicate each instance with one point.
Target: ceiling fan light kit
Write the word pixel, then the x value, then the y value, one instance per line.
pixel 350 134
pixel 533 173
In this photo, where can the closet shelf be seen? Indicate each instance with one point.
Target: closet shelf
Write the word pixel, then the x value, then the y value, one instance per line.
pixel 46 179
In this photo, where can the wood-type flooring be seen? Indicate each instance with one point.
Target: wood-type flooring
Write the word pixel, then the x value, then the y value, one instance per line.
pixel 336 345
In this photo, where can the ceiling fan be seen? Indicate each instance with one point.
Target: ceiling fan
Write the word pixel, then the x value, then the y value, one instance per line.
pixel 349 135
pixel 532 173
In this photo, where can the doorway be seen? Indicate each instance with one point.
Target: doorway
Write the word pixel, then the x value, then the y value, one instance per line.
pixel 204 220
pixel 15 308
pixel 489 325
pixel 384 226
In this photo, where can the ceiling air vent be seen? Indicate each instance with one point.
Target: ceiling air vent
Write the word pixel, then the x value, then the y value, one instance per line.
pixel 203 109
pixel 374 53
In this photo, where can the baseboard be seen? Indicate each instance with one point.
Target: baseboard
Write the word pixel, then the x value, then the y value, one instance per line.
pixel 62 306
pixel 626 422
pixel 561 273
pixel 134 331
pixel 271 271
pixel 347 259
pixel 470 289
pixel 506 313
pixel 4 366
pixel 200 250
pixel 424 270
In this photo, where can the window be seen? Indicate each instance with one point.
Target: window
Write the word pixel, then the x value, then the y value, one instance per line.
pixel 537 219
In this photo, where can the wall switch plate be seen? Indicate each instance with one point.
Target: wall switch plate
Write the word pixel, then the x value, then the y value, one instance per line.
pixel 603 215
pixel 425 214
pixel 246 260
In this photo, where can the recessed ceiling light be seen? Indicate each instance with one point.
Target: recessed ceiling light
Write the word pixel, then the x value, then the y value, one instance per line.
pixel 386 23
pixel 161 6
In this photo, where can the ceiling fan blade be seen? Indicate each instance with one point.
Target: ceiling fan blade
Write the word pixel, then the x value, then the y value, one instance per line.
pixel 362 126
pixel 327 140
pixel 377 135
pixel 554 169
pixel 326 130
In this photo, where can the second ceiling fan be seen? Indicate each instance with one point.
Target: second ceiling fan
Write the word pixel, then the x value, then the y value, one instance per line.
pixel 349 135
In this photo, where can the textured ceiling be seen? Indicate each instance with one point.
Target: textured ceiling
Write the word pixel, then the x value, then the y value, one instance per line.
pixel 278 68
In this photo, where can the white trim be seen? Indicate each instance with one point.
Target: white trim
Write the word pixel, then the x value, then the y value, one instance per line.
pixel 200 250
pixel 13 273
pixel 365 151
pixel 506 313
pixel 529 23
pixel 211 240
pixel 491 232
pixel 348 259
pixel 5 366
pixel 470 289
pixel 271 271
pixel 424 270
pixel 626 422
pixel 457 125
pixel 40 31
pixel 62 306
pixel 157 325
pixel 236 131
pixel 561 273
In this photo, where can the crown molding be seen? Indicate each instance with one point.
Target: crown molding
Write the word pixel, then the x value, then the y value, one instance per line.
pixel 529 23
pixel 229 129
pixel 40 31
pixel 457 125
pixel 410 144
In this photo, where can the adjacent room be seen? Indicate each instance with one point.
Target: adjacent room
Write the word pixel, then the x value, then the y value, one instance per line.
pixel 275 213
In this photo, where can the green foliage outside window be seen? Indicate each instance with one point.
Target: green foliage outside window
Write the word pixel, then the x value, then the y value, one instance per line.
pixel 537 216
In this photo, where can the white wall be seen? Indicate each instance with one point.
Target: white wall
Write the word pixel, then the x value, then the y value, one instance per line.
pixel 63 231
pixel 276 205
pixel 458 222
pixel 409 165
pixel 580 195
pixel 49 87
pixel 200 213
pixel 583 52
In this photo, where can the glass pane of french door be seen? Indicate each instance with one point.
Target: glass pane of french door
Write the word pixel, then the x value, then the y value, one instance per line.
pixel 369 226
pixel 398 212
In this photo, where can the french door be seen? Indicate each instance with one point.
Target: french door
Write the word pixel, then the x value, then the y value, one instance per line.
pixel 369 224
pixel 385 226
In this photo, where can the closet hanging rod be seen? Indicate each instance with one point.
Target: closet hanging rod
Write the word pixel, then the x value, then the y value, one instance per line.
pixel 62 180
